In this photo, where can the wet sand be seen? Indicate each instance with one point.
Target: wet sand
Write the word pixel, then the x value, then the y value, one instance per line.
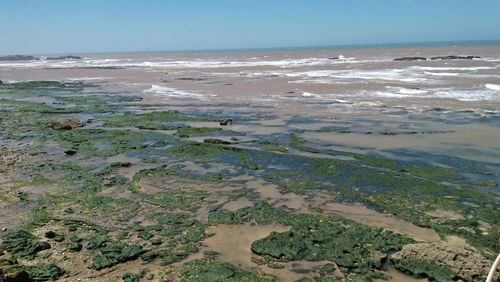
pixel 370 103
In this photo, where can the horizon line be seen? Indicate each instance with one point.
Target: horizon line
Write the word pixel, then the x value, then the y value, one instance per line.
pixel 424 44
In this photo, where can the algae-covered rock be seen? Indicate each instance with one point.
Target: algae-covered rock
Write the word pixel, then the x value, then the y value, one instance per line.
pixel 11 270
pixel 114 253
pixel 66 124
pixel 156 241
pixel 97 242
pixel 22 243
pixel 216 141
pixel 130 277
pixel 210 270
pixel 75 246
pixel 411 59
pixel 441 263
pixel 44 272
pixel 145 235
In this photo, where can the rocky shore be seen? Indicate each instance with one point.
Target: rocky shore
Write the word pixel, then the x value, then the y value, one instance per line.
pixel 100 184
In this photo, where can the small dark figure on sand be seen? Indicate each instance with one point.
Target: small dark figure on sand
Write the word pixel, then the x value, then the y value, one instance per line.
pixel 226 122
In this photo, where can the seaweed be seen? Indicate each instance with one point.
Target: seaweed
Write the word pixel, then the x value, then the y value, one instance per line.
pixel 207 269
pixel 358 248
pixel 112 253
pixel 22 244
pixel 425 269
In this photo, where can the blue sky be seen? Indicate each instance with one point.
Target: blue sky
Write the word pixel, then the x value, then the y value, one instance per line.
pixel 75 26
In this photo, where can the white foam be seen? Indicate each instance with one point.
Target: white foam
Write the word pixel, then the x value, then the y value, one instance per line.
pixel 452 68
pixel 387 94
pixel 310 95
pixel 468 94
pixel 442 73
pixel 163 91
pixel 164 63
pixel 98 78
pixel 397 75
pixel 494 87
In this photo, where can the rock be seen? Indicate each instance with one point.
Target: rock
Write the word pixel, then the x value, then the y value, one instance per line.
pixel 1 82
pixel 70 152
pixel 75 247
pixel 155 241
pixel 70 57
pixel 216 141
pixel 68 124
pixel 334 58
pixel 14 275
pixel 145 235
pixel 441 262
pixel 44 272
pixel 130 277
pixel 22 244
pixel 18 58
pixel 454 57
pixel 411 59
pixel 150 276
pixel 55 236
pixel 121 164
pixel 69 210
pixel 114 253
pixel 226 122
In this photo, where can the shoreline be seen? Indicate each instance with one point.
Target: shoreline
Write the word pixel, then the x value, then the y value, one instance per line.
pixel 127 179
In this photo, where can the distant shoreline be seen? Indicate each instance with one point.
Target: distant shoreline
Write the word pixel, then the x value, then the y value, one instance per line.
pixel 471 43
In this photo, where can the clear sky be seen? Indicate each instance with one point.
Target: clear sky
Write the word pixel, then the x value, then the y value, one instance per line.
pixel 73 26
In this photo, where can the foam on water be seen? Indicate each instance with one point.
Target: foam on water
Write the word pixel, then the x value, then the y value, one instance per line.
pixel 453 68
pixel 195 63
pixel 87 78
pixel 468 95
pixel 396 75
pixel 408 91
pixel 442 73
pixel 494 87
pixel 163 91
pixel 310 95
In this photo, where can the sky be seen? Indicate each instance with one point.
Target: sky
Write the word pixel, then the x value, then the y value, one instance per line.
pixel 83 26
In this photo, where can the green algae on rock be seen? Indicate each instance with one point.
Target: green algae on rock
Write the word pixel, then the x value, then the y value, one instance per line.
pixel 112 253
pixel 210 270
pixel 356 248
pixel 22 244
pixel 11 270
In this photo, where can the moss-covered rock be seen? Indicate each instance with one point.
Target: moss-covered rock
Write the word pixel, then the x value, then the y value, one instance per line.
pixel 210 270
pixel 44 272
pixel 130 277
pixel 22 244
pixel 114 252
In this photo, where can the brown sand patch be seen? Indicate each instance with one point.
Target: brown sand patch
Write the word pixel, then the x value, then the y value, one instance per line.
pixel 272 193
pixel 458 242
pixel 237 204
pixel 233 243
pixel 445 214
pixel 364 215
